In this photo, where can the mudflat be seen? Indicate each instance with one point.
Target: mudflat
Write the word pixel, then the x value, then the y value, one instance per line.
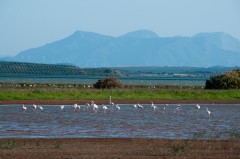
pixel 138 148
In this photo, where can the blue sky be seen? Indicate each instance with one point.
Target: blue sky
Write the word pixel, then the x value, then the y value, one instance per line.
pixel 27 24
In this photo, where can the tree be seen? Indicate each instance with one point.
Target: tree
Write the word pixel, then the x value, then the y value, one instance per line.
pixel 229 80
pixel 111 82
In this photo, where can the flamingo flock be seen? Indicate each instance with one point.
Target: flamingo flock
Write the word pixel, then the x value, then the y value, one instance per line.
pixel 94 107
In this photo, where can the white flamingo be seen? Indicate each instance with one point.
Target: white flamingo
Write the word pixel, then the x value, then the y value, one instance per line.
pixel 41 108
pixel 95 106
pixel 61 107
pixel 104 107
pixel 118 107
pixel 154 106
pixel 208 112
pixel 177 109
pixel 24 108
pixel 135 106
pixel 75 106
pixel 198 107
pixel 110 101
pixel 34 106
pixel 165 107
pixel 87 105
pixel 140 106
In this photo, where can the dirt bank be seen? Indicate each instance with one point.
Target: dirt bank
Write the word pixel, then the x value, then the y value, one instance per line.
pixel 117 148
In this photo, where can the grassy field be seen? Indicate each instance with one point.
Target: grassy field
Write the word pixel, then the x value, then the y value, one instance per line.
pixel 134 93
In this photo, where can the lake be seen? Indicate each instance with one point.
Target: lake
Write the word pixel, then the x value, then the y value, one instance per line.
pixel 132 80
pixel 128 122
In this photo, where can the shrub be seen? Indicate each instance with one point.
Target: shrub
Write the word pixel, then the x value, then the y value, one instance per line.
pixel 180 148
pixel 229 80
pixel 111 82
pixel 9 145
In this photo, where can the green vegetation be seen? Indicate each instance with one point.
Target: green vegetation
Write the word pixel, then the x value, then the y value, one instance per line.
pixel 235 133
pixel 60 91
pixel 128 93
pixel 51 70
pixel 46 70
pixel 10 144
pixel 174 71
pixel 180 148
pixel 58 144
pixel 228 80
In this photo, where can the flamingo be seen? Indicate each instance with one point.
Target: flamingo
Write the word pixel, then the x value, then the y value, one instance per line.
pixel 140 106
pixel 104 107
pixel 198 107
pixel 61 107
pixel 41 108
pixel 165 107
pixel 95 106
pixel 154 106
pixel 110 102
pixel 34 106
pixel 118 107
pixel 208 112
pixel 24 108
pixel 135 106
pixel 177 109
pixel 75 106
pixel 87 105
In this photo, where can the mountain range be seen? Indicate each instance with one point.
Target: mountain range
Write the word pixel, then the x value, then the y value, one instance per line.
pixel 137 48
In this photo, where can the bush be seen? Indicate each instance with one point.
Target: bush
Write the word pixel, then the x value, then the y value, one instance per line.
pixel 229 80
pixel 111 82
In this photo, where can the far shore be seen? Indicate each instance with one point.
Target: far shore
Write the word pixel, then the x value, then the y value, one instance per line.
pixel 70 102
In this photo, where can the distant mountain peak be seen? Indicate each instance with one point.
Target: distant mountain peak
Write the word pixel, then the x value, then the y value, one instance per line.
pixel 141 34
pixel 78 33
pixel 137 48
pixel 83 34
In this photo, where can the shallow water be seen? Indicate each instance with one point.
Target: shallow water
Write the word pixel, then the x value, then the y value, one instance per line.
pixel 186 123
pixel 151 81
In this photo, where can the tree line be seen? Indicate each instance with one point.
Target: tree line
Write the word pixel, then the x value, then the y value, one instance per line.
pixel 21 68
pixel 228 80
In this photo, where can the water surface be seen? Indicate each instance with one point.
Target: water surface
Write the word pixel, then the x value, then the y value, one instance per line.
pixel 128 122
pixel 138 80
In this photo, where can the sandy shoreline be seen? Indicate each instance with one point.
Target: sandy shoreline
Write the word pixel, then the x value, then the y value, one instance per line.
pixel 118 148
pixel 69 102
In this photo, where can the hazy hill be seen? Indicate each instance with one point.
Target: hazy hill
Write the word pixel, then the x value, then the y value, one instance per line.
pixel 138 48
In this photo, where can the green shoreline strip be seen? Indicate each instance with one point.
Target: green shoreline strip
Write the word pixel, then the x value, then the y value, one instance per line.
pixel 125 94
